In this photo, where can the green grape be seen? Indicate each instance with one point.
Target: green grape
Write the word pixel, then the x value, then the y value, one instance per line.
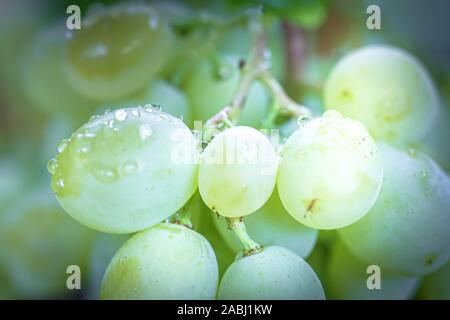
pixel 407 228
pixel 436 286
pixel 103 250
pixel 126 170
pixel 385 88
pixel 330 173
pixel 435 143
pixel 160 93
pixel 347 279
pixel 275 273
pixel 167 261
pixel 37 244
pixel 272 225
pixel 117 51
pixel 211 85
pixel 43 80
pixel 237 172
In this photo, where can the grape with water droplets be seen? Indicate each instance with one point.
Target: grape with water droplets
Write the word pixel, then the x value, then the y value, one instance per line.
pixel 126 170
pixel 330 172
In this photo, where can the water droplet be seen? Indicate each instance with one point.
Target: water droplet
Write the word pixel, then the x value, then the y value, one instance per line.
pixel 156 107
pixel 412 152
pixel 121 115
pixel 164 116
pixel 52 165
pixel 82 144
pixel 301 121
pixel 332 114
pixel 129 167
pixel 58 187
pixel 423 174
pixel 224 72
pixel 105 174
pixel 94 117
pixel 145 131
pixel 135 112
pixel 63 145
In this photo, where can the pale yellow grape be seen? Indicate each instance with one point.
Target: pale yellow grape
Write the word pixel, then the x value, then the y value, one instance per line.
pixel 275 273
pixel 237 172
pixel 347 277
pixel 166 261
pixel 117 50
pixel 330 173
pixel 407 228
pixel 126 170
pixel 385 88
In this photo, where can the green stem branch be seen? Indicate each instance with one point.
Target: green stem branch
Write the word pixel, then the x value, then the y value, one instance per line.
pixel 238 226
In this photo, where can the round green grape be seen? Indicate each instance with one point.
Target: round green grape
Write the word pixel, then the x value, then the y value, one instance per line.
pixel 126 170
pixel 37 244
pixel 385 88
pixel 237 172
pixel 330 172
pixel 274 273
pixel 407 228
pixel 166 261
pixel 117 50
pixel 43 79
pixel 271 225
pixel 347 278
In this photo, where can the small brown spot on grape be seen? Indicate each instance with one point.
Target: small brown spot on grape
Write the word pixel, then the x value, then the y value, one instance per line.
pixel 430 259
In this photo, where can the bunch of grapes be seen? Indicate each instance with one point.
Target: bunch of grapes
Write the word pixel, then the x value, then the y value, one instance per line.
pixel 198 176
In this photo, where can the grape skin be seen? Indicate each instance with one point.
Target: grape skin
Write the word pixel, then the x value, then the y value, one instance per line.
pixel 43 80
pixel 271 225
pixel 346 278
pixel 330 172
pixel 237 172
pixel 126 170
pixel 385 88
pixel 407 228
pixel 117 51
pixel 38 242
pixel 166 261
pixel 275 273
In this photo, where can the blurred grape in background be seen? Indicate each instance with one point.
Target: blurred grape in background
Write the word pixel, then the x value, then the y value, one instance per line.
pixel 185 57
